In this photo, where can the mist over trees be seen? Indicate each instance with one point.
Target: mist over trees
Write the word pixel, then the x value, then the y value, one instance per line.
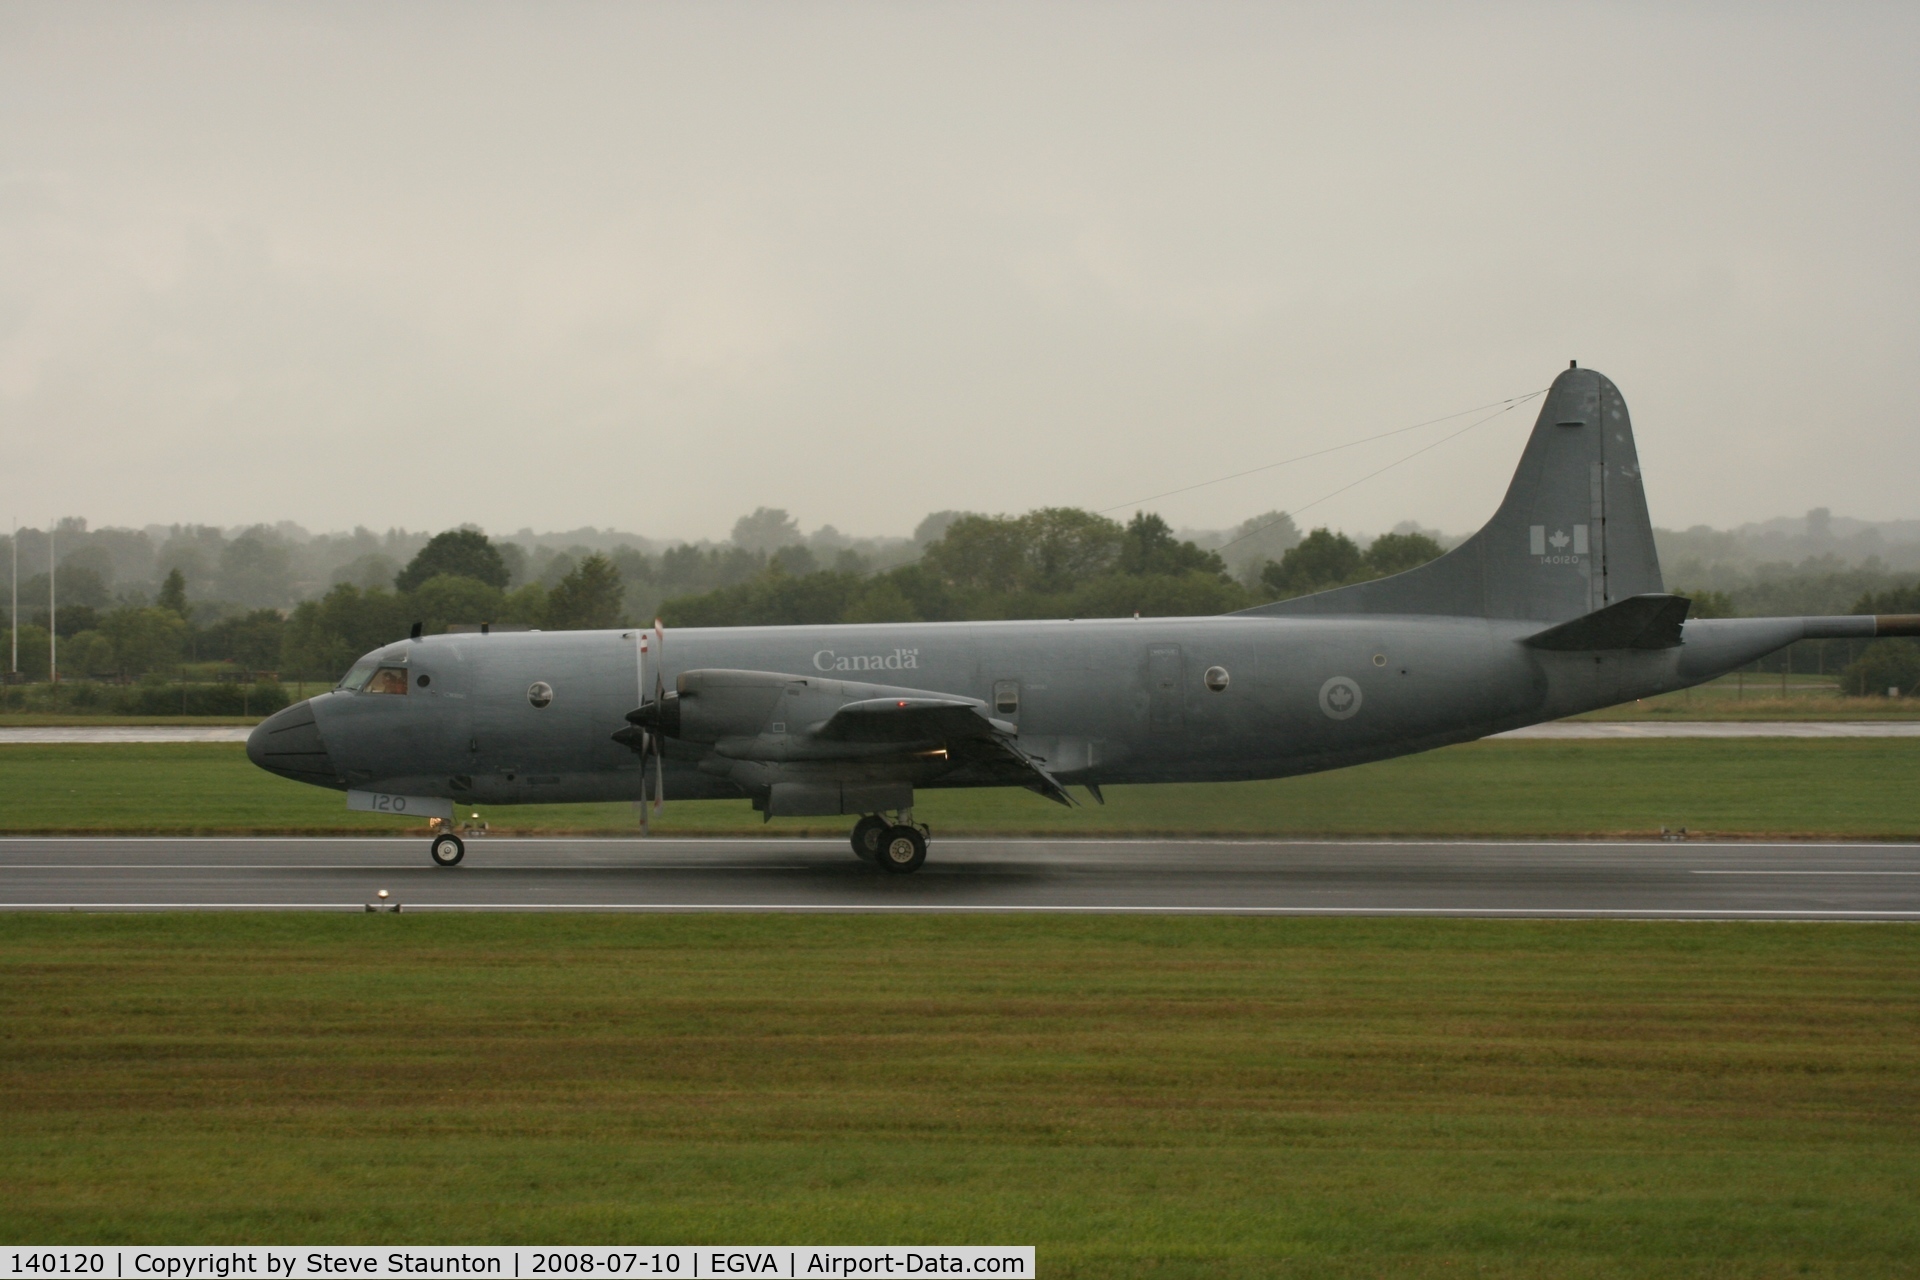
pixel 138 603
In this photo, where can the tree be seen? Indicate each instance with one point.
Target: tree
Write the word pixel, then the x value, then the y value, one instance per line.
pixel 370 570
pixel 514 557
pixel 882 601
pixel 80 587
pixel 588 598
pixel 1157 595
pixel 173 592
pixel 795 561
pixel 1896 600
pixel 448 598
pixel 252 640
pixel 33 651
pixel 256 569
pixel 88 654
pixel 1066 545
pixel 767 529
pixel 461 553
pixel 1883 665
pixel 981 553
pixel 772 599
pixel 1398 552
pixel 687 569
pixel 1258 540
pixel 145 640
pixel 935 526
pixel 526 604
pixel 74 617
pixel 1150 547
pixel 1323 559
pixel 327 634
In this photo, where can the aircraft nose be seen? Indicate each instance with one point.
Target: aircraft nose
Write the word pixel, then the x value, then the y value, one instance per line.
pixel 288 743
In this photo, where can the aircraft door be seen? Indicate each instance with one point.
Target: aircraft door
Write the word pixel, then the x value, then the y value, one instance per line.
pixel 1166 689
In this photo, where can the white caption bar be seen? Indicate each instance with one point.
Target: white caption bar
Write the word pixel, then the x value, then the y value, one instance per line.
pixel 685 1262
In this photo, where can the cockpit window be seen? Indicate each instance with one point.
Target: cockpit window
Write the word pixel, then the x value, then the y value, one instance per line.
pixel 388 680
pixel 358 675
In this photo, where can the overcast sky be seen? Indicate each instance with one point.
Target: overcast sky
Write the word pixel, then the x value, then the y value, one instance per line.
pixel 650 266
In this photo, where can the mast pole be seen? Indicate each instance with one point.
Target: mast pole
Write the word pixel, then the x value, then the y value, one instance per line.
pixel 53 616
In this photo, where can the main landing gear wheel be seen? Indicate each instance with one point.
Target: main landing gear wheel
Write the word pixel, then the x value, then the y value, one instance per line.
pixel 866 837
pixel 447 851
pixel 902 850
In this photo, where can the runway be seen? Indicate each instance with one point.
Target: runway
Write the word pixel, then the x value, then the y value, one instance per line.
pixel 1656 880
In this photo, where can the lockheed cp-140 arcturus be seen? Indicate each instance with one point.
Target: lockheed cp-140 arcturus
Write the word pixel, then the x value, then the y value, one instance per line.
pixel 1555 607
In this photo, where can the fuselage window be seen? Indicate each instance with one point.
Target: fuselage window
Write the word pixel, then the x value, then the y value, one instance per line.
pixel 388 680
pixel 1006 697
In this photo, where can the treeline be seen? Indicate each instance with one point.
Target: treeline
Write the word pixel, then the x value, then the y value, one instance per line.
pixel 227 573
pixel 459 577
pixel 1058 562
pixel 1053 562
pixel 1067 563
pixel 1884 666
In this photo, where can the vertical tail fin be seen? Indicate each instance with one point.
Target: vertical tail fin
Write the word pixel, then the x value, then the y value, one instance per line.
pixel 1572 536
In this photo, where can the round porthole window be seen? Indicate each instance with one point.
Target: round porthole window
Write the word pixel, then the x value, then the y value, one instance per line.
pixel 540 693
pixel 423 679
pixel 1217 679
pixel 1379 659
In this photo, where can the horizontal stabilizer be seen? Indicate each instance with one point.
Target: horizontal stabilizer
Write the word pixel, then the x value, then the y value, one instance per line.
pixel 1638 622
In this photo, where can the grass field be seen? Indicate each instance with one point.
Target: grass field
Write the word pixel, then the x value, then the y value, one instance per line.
pixel 1759 786
pixel 1175 1097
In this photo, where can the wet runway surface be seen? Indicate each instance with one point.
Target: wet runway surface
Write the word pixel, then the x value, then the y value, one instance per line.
pixel 1654 880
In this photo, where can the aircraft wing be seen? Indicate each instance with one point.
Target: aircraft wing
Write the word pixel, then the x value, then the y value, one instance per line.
pixel 958 729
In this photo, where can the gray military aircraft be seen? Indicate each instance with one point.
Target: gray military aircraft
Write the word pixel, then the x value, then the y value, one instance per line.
pixel 1555 607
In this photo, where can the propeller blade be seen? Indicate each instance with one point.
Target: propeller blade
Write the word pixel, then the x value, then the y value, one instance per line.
pixel 646 739
pixel 659 699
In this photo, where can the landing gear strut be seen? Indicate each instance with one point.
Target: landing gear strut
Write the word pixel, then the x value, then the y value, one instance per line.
pixel 447 850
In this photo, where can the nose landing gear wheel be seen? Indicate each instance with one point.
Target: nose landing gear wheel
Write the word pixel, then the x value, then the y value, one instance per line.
pixel 902 850
pixel 866 837
pixel 447 851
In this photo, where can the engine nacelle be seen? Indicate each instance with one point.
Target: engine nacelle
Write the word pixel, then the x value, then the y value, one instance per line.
pixel 707 706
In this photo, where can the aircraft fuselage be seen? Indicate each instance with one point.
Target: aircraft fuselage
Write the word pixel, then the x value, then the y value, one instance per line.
pixel 530 717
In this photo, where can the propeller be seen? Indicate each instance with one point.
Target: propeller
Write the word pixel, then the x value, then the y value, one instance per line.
pixel 645 746
pixel 645 737
pixel 659 697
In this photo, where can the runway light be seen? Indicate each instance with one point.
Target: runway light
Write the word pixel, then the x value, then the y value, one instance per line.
pixel 383 893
